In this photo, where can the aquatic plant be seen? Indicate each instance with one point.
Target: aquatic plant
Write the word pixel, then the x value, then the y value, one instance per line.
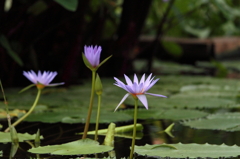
pixel 137 89
pixel 91 58
pixel 40 80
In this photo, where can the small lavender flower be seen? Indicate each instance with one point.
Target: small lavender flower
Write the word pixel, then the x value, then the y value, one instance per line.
pixel 93 54
pixel 41 79
pixel 137 89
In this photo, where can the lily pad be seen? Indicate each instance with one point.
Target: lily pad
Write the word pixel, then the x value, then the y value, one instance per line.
pixel 5 137
pixel 172 114
pixel 65 115
pixel 194 102
pixel 80 147
pixel 206 90
pixel 188 150
pixel 220 121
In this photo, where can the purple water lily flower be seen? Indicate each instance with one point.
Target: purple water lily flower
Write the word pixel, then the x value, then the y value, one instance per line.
pixel 138 89
pixel 41 79
pixel 93 54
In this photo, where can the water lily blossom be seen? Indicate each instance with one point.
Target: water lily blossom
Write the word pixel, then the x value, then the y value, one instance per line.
pixel 93 54
pixel 41 80
pixel 138 89
pixel 91 57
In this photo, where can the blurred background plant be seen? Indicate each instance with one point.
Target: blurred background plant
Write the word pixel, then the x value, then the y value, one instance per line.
pixel 50 34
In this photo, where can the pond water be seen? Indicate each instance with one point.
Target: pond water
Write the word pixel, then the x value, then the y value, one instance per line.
pixel 62 133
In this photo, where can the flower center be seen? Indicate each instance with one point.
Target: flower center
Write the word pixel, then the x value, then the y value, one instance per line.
pixel 135 94
pixel 40 86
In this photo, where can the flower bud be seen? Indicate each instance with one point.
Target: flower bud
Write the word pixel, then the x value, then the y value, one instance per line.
pixel 98 85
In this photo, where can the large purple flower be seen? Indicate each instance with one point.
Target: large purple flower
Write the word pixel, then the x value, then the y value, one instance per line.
pixel 41 79
pixel 93 54
pixel 138 89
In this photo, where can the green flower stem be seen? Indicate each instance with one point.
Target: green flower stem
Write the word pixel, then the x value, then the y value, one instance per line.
pixel 134 128
pixel 97 119
pixel 29 112
pixel 90 105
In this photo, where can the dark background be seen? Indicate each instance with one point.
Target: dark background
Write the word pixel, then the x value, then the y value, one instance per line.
pixel 51 34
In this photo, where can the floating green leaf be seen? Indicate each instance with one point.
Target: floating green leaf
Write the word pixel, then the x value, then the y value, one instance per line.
pixel 71 116
pixel 220 121
pixel 172 114
pixel 80 147
pixel 5 137
pixel 188 150
pixel 194 102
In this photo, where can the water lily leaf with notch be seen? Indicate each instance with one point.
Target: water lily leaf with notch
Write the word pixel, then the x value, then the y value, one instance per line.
pixel 80 147
pixel 172 114
pixel 188 150
pixel 5 137
pixel 220 121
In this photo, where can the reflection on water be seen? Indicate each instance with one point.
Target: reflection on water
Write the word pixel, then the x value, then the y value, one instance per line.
pixel 152 134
